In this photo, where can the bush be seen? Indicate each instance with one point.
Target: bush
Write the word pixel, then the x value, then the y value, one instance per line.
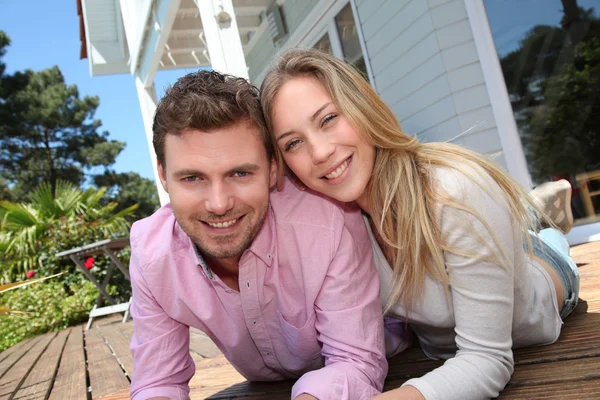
pixel 53 305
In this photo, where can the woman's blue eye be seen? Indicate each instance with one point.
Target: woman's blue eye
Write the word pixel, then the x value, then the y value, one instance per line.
pixel 328 119
pixel 291 144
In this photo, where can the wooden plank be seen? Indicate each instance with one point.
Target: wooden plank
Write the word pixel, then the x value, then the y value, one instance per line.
pixel 212 376
pixel 106 375
pixel 580 390
pixel 70 382
pixel 580 338
pixel 15 353
pixel 14 377
pixel 570 372
pixel 22 346
pixel 39 382
pixel 119 345
pixel 201 346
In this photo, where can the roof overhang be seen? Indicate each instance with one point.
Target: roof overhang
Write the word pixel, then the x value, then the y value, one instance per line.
pixel 114 33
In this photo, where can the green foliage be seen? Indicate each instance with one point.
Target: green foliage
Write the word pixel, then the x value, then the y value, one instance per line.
pixel 33 233
pixel 553 81
pixel 565 131
pixel 130 188
pixel 51 306
pixel 48 132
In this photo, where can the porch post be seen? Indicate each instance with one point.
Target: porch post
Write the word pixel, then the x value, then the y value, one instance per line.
pixel 222 37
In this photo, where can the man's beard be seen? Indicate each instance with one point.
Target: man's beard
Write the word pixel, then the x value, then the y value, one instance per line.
pixel 222 246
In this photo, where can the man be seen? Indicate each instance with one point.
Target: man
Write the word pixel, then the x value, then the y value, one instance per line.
pixel 282 282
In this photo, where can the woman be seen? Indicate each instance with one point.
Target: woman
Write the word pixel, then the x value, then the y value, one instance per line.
pixel 448 226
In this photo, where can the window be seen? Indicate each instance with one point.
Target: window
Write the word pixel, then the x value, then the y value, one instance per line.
pixel 549 51
pixel 341 39
pixel 346 28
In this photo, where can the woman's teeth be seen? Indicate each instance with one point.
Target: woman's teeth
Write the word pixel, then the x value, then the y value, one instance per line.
pixel 225 224
pixel 340 170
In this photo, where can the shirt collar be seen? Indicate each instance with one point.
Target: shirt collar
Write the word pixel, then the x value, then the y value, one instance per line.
pixel 263 245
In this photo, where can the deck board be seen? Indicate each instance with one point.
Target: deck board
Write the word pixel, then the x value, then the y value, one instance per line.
pixel 568 369
pixel 70 382
pixel 38 383
pixel 18 372
pixel 106 375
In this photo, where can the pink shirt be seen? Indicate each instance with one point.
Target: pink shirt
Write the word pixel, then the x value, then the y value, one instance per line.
pixel 308 305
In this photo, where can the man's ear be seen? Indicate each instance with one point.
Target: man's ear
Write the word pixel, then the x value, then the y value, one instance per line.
pixel 273 173
pixel 162 176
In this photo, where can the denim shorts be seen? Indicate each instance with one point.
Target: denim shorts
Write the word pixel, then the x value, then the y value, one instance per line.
pixel 554 250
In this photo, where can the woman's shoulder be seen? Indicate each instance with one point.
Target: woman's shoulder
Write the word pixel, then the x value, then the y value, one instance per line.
pixel 465 182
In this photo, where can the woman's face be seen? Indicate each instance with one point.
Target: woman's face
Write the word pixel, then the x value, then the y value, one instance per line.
pixel 318 142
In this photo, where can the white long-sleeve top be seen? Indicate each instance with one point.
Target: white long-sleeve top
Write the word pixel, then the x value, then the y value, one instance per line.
pixel 490 309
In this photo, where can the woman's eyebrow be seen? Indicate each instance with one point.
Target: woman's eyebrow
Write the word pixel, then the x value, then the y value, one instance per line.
pixel 312 118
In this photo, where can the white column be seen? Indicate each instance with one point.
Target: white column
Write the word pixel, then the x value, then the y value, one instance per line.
pixel 222 38
pixel 496 87
pixel 148 103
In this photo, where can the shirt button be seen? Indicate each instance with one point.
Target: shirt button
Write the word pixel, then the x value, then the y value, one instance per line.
pixel 268 353
pixel 253 322
pixel 268 256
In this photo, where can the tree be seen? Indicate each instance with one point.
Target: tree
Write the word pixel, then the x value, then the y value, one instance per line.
pixel 554 93
pixel 565 131
pixel 130 188
pixel 48 132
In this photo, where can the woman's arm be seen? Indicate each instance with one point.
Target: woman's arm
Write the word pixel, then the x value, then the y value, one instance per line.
pixel 481 274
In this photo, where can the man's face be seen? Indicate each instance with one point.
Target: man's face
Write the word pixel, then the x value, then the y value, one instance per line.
pixel 219 183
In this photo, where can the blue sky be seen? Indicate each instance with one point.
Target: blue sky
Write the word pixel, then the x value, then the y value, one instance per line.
pixel 46 33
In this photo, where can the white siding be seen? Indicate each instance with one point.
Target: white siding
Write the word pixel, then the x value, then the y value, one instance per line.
pixel 426 68
pixel 261 55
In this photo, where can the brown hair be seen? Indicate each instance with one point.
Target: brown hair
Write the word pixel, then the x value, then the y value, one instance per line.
pixel 401 193
pixel 207 100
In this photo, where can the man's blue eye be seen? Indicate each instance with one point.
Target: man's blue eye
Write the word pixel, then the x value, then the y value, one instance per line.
pixel 242 174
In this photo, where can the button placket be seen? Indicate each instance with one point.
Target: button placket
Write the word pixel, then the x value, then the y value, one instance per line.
pixel 253 314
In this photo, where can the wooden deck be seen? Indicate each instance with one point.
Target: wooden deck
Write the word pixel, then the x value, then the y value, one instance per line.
pixel 75 364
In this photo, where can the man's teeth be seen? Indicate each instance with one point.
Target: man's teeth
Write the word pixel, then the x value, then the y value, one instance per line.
pixel 225 224
pixel 340 170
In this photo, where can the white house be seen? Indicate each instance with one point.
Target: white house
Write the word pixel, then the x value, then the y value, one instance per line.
pixel 434 62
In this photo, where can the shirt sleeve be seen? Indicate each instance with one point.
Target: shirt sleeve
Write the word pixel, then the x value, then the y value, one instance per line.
pixel 349 321
pixel 162 365
pixel 481 276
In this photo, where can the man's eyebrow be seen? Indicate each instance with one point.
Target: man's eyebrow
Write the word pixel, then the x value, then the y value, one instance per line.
pixel 248 167
pixel 312 118
pixel 187 172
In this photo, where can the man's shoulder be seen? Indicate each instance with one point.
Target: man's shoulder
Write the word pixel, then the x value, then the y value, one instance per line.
pixel 292 206
pixel 156 236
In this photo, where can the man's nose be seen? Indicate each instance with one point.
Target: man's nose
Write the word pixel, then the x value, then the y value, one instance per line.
pixel 219 199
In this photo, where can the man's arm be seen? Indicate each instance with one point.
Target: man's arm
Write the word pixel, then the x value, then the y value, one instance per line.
pixel 162 365
pixel 349 320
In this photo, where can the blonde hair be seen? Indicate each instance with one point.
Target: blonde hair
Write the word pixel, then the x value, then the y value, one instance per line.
pixel 401 194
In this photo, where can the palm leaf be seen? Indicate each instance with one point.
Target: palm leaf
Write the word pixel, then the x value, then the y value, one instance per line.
pixel 43 198
pixel 15 285
pixel 7 311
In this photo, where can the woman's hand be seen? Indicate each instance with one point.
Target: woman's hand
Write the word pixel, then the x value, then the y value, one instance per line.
pixel 403 393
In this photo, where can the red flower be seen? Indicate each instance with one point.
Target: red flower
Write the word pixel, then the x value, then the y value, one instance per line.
pixel 89 263
pixel 30 274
